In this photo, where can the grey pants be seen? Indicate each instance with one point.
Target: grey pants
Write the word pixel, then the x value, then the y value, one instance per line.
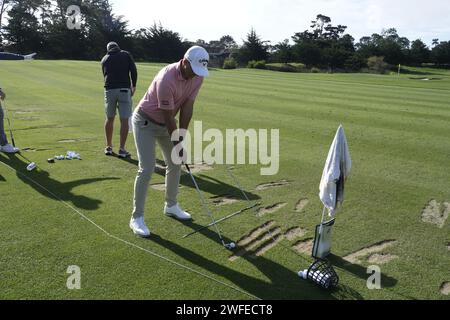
pixel 146 134
pixel 3 139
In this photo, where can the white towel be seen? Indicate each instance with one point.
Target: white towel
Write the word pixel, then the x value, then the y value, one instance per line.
pixel 336 170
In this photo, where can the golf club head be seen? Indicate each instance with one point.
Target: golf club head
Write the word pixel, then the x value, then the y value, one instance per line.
pixel 229 246
pixel 31 166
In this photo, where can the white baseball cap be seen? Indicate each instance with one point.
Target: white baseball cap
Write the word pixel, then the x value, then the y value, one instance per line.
pixel 199 59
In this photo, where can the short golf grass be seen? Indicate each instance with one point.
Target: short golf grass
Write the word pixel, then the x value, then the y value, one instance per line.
pixel 77 212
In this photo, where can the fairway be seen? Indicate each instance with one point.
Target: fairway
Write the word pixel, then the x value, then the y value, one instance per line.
pixel 77 212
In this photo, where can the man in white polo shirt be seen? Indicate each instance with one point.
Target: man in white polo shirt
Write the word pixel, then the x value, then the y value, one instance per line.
pixel 173 90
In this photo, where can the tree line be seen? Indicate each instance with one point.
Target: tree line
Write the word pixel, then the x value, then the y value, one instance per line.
pixel 49 28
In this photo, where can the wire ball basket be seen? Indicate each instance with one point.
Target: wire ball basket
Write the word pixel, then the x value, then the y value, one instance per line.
pixel 321 272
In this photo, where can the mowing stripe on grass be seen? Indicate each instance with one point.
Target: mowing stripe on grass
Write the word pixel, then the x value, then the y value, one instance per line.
pixel 130 243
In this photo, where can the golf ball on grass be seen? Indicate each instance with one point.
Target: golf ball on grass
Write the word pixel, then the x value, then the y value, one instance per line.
pixel 232 245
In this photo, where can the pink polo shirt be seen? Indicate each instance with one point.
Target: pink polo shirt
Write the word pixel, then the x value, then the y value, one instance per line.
pixel 169 91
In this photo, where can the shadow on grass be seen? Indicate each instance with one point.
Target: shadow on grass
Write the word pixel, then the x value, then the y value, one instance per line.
pixel 205 183
pixel 282 283
pixel 61 189
pixel 360 271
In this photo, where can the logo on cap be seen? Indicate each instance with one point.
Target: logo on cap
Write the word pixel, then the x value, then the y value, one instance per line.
pixel 204 62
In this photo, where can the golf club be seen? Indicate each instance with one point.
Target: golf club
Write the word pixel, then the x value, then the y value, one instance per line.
pixel 230 245
pixel 222 219
pixel 240 188
pixel 246 197
pixel 31 165
pixel 25 158
pixel 9 124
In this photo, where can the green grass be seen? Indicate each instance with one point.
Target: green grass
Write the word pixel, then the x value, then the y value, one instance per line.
pixel 398 133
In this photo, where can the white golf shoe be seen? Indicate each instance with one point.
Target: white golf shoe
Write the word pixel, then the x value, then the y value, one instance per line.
pixel 176 212
pixel 139 228
pixel 8 148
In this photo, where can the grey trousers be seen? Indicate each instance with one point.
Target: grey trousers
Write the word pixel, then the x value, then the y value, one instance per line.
pixel 146 134
pixel 3 139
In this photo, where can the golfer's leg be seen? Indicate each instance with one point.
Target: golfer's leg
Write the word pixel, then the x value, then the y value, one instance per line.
pixel 109 128
pixel 123 132
pixel 125 113
pixel 111 97
pixel 145 147
pixel 173 171
pixel 3 139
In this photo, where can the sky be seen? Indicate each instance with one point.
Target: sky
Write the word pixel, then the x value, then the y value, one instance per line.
pixel 277 20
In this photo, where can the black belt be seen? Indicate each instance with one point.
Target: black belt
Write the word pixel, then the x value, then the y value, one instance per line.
pixel 144 115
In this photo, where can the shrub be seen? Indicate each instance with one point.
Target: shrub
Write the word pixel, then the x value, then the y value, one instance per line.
pixel 283 67
pixel 355 63
pixel 377 64
pixel 286 67
pixel 252 64
pixel 315 70
pixel 260 64
pixel 230 63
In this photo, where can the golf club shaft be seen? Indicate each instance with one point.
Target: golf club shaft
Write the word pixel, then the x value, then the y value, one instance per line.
pixel 220 220
pixel 237 183
pixel 245 196
pixel 205 207
pixel 10 133
pixel 240 188
pixel 25 158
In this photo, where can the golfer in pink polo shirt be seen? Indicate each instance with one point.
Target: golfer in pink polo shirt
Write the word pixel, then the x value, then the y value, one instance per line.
pixel 172 91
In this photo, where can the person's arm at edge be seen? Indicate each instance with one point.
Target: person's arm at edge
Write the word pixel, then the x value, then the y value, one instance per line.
pixel 103 67
pixel 134 74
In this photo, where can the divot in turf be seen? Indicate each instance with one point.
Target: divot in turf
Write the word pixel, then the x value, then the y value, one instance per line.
pixel 381 258
pixel 445 288
pixel 270 185
pixel 301 204
pixel 364 252
pixel 304 246
pixel 436 213
pixel 270 209
pixel 223 200
pixel 294 232
pixel 261 243
pixel 161 186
